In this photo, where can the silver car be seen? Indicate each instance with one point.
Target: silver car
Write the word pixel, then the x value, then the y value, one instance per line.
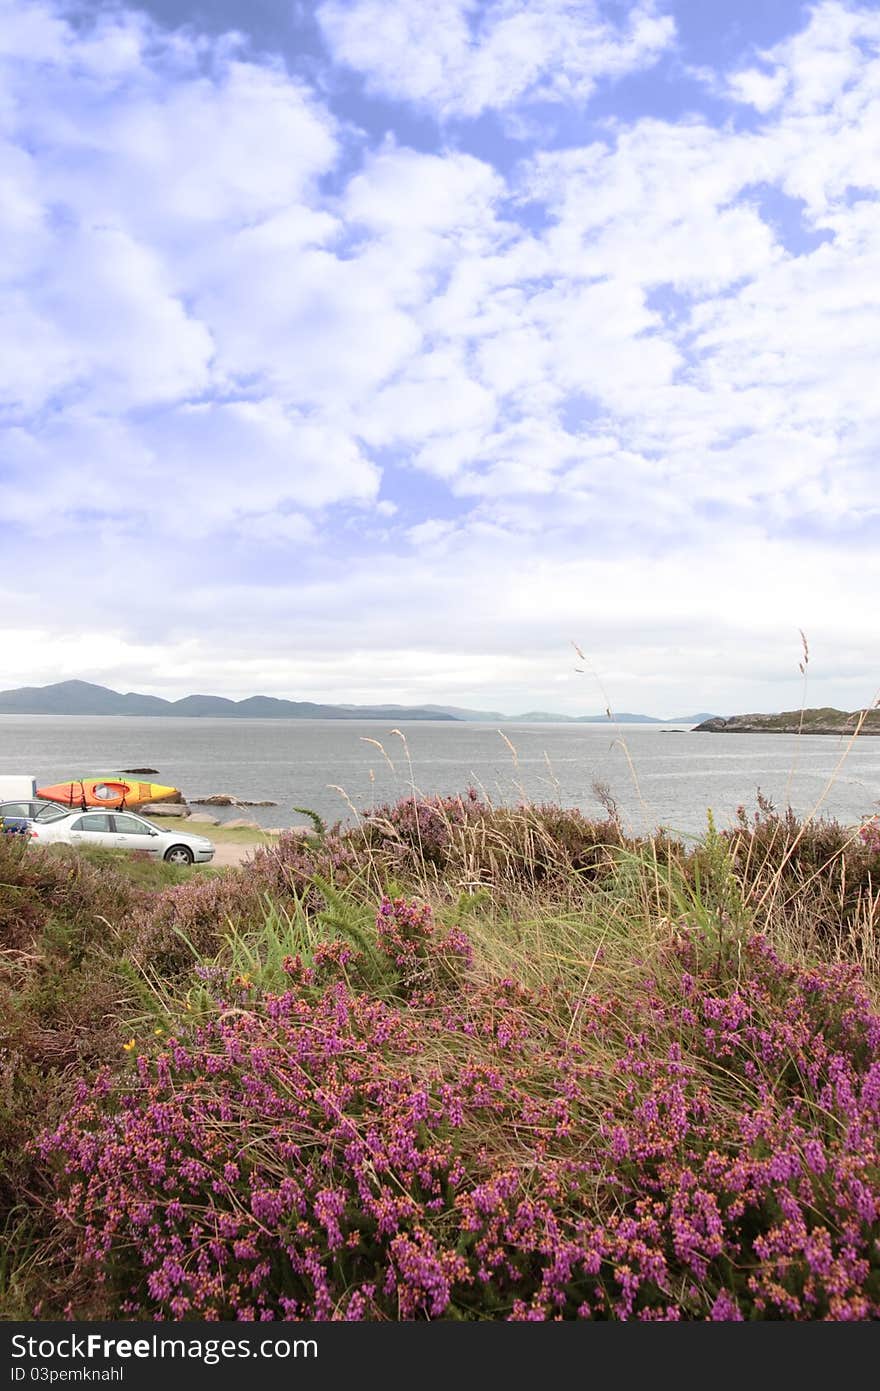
pixel 122 830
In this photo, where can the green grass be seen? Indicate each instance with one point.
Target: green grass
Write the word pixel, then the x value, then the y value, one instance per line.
pixel 220 835
pixel 141 873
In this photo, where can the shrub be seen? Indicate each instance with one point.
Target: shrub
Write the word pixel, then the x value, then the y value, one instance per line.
pixel 288 868
pixel 606 1098
pixel 467 841
pixel 64 994
pixel 38 883
pixel 447 842
pixel 705 1149
pixel 176 928
pixel 817 880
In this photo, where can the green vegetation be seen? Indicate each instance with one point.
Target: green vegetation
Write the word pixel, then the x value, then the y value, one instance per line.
pixel 135 870
pixel 456 1061
pixel 220 835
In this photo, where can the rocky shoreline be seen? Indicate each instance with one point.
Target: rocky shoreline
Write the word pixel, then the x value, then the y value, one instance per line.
pixel 184 811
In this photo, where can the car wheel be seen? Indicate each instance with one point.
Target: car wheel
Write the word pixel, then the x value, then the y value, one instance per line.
pixel 179 855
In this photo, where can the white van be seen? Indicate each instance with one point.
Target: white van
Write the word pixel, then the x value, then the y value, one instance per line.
pixel 17 786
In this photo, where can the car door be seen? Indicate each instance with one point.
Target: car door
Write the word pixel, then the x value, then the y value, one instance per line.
pixel 93 828
pixel 134 834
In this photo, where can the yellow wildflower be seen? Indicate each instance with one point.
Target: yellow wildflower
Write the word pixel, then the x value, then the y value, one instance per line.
pixel 129 1046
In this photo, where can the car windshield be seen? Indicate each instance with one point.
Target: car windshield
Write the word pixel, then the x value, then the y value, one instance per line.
pixel 51 812
pixel 132 825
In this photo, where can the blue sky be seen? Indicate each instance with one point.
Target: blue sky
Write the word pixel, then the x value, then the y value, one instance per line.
pixel 368 349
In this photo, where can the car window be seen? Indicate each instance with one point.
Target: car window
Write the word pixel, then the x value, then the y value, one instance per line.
pixel 14 809
pixel 48 812
pixel 96 821
pixel 132 826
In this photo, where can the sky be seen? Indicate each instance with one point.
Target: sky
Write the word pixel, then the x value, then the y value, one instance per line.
pixel 372 350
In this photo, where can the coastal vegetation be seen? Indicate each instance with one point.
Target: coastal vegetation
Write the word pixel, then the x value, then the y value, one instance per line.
pixel 452 1061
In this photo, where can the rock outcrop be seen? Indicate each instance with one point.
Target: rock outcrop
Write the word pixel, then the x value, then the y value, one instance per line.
pixel 822 721
pixel 226 799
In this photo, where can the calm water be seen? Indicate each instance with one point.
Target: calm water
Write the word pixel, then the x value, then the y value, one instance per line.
pixel 297 763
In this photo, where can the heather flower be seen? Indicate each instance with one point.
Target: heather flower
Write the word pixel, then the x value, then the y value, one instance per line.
pixel 392 1131
pixel 725 1310
pixel 439 1146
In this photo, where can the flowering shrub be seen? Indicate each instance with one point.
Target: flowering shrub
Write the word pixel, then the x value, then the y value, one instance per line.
pixel 819 877
pixel 869 834
pixel 180 924
pixel 60 997
pixel 406 935
pixel 38 884
pixel 706 1148
pixel 461 840
pixel 468 839
pixel 290 866
pixel 425 827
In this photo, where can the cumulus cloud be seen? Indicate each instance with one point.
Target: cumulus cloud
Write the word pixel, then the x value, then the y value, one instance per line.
pixel 367 399
pixel 187 472
pixel 830 64
pixel 460 58
pixel 159 185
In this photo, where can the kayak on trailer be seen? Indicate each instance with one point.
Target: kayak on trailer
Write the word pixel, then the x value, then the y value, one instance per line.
pixel 108 792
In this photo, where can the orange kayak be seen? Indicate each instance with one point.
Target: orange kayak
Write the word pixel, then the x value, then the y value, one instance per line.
pixel 108 792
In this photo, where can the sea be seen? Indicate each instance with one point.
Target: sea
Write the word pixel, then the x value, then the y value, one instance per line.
pixel 658 775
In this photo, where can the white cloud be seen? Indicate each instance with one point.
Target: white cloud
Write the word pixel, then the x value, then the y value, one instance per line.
pixel 277 528
pixel 659 207
pixel 757 88
pixel 831 63
pixel 318 329
pixel 436 397
pixel 403 192
pixel 458 57
pixel 249 456
pixel 156 186
pixel 629 421
pixel 465 609
pixel 188 471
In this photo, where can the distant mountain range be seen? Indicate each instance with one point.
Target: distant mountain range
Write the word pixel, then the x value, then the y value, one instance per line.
pixel 85 698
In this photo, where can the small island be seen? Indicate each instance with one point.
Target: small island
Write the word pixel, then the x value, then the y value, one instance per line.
pixel 826 720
